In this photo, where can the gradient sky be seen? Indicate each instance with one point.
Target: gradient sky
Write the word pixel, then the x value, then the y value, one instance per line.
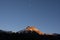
pixel 15 15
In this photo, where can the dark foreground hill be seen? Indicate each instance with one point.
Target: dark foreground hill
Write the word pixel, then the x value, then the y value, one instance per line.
pixel 27 35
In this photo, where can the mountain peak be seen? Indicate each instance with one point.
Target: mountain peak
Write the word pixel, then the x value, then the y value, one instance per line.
pixel 32 28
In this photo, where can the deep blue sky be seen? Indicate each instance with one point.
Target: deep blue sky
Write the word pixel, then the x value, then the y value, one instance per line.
pixel 15 15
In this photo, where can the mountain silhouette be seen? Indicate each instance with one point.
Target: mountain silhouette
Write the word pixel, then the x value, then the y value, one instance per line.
pixel 29 33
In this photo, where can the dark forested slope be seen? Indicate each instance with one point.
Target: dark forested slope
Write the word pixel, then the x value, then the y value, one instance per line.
pixel 27 35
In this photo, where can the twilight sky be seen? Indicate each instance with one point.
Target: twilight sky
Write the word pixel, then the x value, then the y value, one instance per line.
pixel 15 15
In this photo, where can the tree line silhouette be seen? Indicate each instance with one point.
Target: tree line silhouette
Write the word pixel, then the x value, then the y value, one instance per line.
pixel 26 35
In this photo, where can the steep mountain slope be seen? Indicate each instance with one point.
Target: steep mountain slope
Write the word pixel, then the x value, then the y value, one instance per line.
pixel 32 28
